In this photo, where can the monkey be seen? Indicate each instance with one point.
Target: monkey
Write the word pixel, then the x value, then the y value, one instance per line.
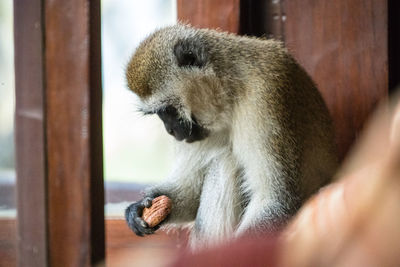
pixel 253 136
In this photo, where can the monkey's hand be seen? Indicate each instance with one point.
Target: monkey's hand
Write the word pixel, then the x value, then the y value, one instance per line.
pixel 133 216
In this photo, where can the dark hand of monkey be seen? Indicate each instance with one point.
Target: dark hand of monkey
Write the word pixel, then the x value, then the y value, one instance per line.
pixel 133 216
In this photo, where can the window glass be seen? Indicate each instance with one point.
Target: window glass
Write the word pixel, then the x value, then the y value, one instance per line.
pixel 7 103
pixel 137 149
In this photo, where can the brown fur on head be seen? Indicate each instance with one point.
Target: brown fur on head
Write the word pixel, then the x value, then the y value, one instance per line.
pixel 173 66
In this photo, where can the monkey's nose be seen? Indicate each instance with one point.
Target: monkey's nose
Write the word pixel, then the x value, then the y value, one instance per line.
pixel 169 129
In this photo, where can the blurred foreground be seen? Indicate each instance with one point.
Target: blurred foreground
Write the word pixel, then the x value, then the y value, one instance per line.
pixel 352 222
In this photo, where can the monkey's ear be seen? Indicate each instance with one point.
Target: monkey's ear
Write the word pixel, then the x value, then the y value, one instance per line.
pixel 190 53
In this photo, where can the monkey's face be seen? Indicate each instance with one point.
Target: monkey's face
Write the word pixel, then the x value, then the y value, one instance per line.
pixel 172 74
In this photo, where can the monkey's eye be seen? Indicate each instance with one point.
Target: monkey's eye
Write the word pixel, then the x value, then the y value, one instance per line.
pixel 146 112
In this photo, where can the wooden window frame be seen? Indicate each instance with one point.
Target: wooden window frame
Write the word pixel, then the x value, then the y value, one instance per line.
pixel 58 117
pixel 60 192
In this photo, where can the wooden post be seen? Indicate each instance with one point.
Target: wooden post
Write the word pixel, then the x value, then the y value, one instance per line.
pixel 343 45
pixel 221 14
pixel 59 133
pixel 30 134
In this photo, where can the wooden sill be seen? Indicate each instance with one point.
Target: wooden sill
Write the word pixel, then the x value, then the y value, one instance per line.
pixel 8 242
pixel 120 242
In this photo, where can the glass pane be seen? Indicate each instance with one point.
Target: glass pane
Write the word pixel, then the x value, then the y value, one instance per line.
pixel 7 164
pixel 137 150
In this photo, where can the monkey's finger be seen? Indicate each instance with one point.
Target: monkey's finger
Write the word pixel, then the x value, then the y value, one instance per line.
pixel 139 221
pixel 130 219
pixel 133 211
pixel 129 214
pixel 136 209
pixel 143 227
pixel 155 228
pixel 148 231
pixel 147 202
pixel 137 231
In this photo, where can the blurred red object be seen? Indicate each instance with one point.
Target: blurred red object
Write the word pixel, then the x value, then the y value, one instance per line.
pixel 355 221
pixel 245 252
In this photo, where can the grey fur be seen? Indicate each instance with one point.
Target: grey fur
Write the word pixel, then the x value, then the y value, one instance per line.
pixel 270 143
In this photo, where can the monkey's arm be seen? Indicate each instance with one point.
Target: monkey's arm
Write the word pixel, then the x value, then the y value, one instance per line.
pixel 183 187
pixel 273 197
pixel 271 171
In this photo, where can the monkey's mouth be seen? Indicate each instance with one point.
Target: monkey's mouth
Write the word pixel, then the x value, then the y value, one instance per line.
pixel 197 133
pixel 190 131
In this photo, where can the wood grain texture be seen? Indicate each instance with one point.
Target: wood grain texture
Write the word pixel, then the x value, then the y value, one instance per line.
pixel 58 133
pixel 122 244
pixel 262 18
pixel 8 242
pixel 221 14
pixel 73 128
pixel 30 133
pixel 124 248
pixel 343 45
pixel 394 44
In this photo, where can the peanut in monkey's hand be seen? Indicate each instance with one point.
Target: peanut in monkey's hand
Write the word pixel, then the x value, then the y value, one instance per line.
pixel 159 210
